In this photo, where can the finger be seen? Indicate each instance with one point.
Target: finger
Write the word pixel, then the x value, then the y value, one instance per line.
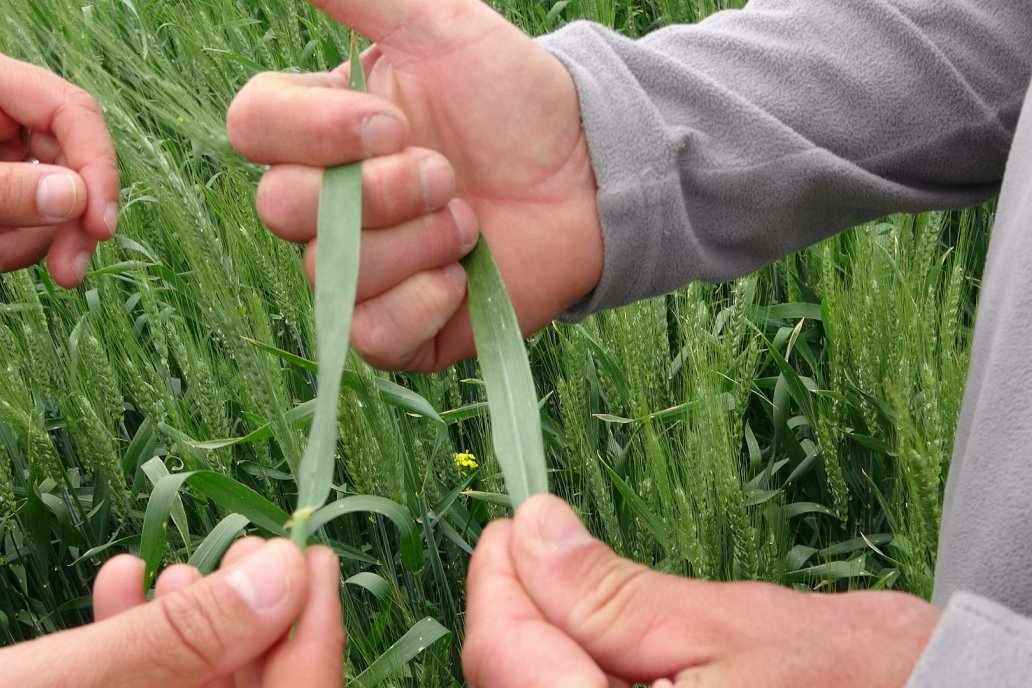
pixel 39 195
pixel 241 549
pixel 389 257
pixel 13 147
pixel 69 254
pixel 508 643
pixel 395 189
pixel 46 149
pixel 10 130
pixel 314 655
pixel 638 624
pixel 178 577
pixel 715 675
pixel 248 676
pixel 12 151
pixel 412 25
pixel 119 587
pixel 51 105
pixel 312 120
pixel 175 578
pixel 20 248
pixel 396 329
pixel 185 639
pixel 42 148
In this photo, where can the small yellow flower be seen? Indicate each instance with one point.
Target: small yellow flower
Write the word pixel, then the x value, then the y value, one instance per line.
pixel 465 461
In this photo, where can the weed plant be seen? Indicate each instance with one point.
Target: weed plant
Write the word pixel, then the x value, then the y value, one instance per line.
pixel 792 426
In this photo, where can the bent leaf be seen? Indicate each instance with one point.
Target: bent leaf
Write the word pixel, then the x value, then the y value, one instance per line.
pixel 418 638
pixel 221 489
pixel 411 546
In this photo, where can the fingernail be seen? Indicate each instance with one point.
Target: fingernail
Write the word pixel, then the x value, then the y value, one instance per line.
pixel 79 265
pixel 558 527
pixel 56 196
pixel 466 223
pixel 438 182
pixel 262 579
pixel 457 275
pixel 111 217
pixel 383 134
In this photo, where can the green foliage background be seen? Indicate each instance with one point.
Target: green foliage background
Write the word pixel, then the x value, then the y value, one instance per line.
pixel 793 426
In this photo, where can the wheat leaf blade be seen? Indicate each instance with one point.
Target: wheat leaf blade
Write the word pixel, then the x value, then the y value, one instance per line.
pixel 511 399
pixel 336 265
pixel 340 222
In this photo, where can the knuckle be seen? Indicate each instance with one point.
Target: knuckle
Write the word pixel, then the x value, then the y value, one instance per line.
pixel 442 236
pixel 102 168
pixel 77 105
pixel 190 619
pixel 378 187
pixel 13 191
pixel 612 590
pixel 440 299
pixel 82 102
pixel 391 337
pixel 424 360
pixel 374 335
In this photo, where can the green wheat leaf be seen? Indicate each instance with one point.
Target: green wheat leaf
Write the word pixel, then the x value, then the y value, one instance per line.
pixel 221 489
pixel 423 634
pixel 211 549
pixel 511 399
pixel 411 546
pixel 339 231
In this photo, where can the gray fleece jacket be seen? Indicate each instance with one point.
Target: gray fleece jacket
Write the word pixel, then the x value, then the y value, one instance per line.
pixel 722 146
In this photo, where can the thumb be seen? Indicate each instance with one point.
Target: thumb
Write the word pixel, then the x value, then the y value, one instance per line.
pixel 184 640
pixel 39 195
pixel 414 26
pixel 634 622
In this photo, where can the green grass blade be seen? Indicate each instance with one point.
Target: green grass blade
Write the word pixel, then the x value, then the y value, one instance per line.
pixel 340 223
pixel 237 497
pixel 356 75
pixel 390 392
pixel 417 639
pixel 411 546
pixel 372 583
pixel 336 265
pixel 515 418
pixel 637 505
pixel 156 471
pixel 211 549
pixel 221 489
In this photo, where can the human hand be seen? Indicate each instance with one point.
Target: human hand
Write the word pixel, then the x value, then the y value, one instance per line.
pixel 228 629
pixel 468 124
pixel 68 202
pixel 550 606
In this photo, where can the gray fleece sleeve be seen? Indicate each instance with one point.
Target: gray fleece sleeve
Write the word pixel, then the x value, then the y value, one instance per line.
pixel 977 643
pixel 721 146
